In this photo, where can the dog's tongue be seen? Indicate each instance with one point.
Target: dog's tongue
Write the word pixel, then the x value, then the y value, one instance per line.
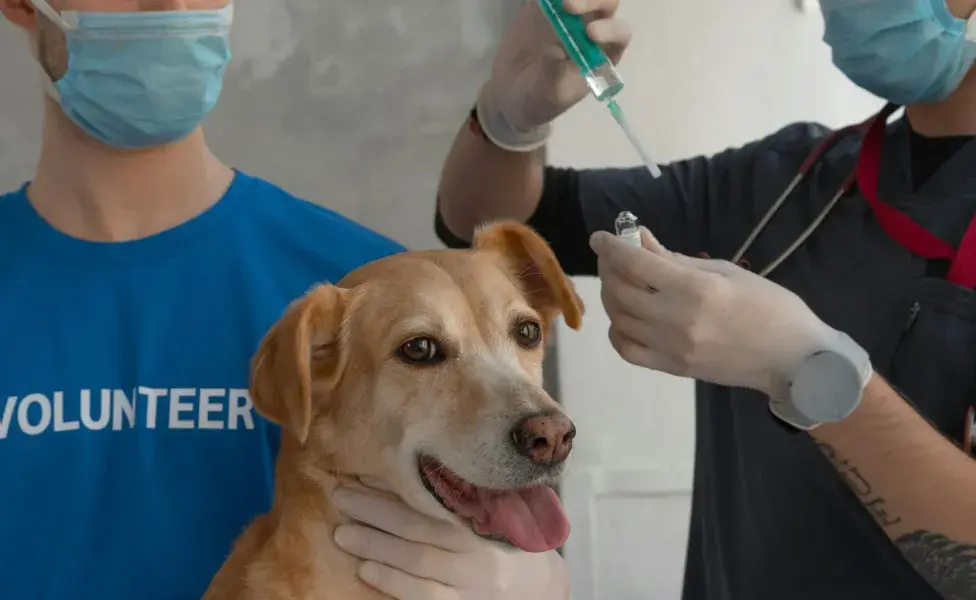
pixel 530 518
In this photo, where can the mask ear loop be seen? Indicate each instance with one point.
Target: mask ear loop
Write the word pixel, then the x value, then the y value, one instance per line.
pixel 54 16
pixel 62 23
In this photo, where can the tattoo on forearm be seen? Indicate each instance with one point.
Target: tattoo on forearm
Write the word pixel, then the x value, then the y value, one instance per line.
pixel 948 566
pixel 875 503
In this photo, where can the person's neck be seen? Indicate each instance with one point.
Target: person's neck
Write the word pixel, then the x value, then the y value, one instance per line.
pixel 90 191
pixel 954 116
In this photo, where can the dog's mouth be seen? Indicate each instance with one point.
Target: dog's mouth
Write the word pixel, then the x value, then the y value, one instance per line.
pixel 529 518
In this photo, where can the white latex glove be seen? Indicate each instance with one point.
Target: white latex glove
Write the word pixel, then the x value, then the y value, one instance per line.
pixel 533 80
pixel 410 556
pixel 708 319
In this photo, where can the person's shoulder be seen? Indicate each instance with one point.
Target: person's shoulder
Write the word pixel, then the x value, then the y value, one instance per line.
pixel 12 205
pixel 773 160
pixel 790 144
pixel 312 227
pixel 801 133
pixel 12 197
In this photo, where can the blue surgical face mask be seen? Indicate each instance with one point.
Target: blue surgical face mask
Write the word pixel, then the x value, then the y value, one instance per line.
pixel 141 79
pixel 904 51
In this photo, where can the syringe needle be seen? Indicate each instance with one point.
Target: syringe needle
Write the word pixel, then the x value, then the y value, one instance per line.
pixel 618 116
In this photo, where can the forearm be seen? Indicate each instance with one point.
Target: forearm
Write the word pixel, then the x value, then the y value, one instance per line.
pixel 917 485
pixel 482 182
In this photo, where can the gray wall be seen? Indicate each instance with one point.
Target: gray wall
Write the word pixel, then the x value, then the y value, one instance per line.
pixel 352 104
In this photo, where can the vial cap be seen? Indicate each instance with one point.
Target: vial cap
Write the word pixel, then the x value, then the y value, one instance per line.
pixel 625 223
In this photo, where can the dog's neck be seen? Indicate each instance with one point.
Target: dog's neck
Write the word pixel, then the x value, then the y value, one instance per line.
pixel 304 521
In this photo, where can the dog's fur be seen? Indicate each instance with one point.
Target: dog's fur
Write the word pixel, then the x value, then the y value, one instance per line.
pixel 330 374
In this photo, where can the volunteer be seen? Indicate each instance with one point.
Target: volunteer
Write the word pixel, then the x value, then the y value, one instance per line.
pixel 875 505
pixel 137 274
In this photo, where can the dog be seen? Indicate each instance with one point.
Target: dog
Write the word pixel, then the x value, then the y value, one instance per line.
pixel 422 370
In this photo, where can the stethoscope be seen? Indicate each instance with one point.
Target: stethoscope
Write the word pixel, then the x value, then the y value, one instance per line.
pixel 809 163
pixel 898 225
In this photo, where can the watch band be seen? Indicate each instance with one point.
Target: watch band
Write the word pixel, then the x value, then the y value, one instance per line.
pixel 826 387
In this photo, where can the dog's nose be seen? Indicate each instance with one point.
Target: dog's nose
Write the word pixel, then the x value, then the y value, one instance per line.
pixel 544 438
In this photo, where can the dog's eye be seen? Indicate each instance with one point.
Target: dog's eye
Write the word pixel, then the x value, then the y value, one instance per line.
pixel 421 351
pixel 528 334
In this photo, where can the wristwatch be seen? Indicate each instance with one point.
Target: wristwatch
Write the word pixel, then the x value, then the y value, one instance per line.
pixel 825 387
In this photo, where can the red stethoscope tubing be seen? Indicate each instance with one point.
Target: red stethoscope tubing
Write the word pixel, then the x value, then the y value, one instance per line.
pixel 899 226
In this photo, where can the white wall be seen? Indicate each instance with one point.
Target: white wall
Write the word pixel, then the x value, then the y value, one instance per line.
pixel 701 75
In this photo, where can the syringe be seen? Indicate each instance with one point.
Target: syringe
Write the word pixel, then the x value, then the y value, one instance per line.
pixel 598 71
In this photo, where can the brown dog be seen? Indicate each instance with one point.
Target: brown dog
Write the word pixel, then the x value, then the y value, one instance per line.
pixel 423 370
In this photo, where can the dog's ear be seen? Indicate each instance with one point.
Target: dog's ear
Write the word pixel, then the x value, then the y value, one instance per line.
pixel 301 355
pixel 531 260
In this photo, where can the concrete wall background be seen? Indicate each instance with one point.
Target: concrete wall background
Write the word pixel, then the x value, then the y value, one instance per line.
pixel 349 104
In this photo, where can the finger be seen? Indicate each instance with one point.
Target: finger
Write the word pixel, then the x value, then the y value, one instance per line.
pixel 613 35
pixel 598 8
pixel 376 483
pixel 640 355
pixel 639 331
pixel 664 312
pixel 640 266
pixel 649 242
pixel 395 517
pixel 403 586
pixel 409 557
pixel 619 295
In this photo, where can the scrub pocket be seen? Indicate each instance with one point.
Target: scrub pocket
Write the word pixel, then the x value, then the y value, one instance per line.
pixel 933 352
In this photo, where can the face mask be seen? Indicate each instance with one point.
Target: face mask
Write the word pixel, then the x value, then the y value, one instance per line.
pixel 141 79
pixel 904 51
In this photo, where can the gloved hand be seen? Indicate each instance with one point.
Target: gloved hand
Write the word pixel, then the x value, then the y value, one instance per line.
pixel 533 80
pixel 410 556
pixel 702 318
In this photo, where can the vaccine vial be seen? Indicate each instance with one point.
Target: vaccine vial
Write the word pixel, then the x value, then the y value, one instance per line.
pixel 627 228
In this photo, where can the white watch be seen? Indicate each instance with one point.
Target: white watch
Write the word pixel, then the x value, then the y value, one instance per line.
pixel 826 387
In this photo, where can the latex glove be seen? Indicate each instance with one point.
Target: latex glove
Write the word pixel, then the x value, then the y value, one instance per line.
pixel 708 319
pixel 410 556
pixel 533 80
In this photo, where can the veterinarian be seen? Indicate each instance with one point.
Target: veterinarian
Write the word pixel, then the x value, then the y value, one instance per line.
pixel 138 273
pixel 877 505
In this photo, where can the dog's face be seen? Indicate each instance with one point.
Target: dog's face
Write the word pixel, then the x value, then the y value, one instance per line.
pixel 424 369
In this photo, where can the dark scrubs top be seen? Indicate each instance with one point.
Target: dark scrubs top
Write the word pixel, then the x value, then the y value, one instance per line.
pixel 771 518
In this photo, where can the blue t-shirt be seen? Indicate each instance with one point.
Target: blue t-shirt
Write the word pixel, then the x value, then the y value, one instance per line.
pixel 130 454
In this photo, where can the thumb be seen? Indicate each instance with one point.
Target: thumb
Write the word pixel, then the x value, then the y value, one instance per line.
pixel 649 242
